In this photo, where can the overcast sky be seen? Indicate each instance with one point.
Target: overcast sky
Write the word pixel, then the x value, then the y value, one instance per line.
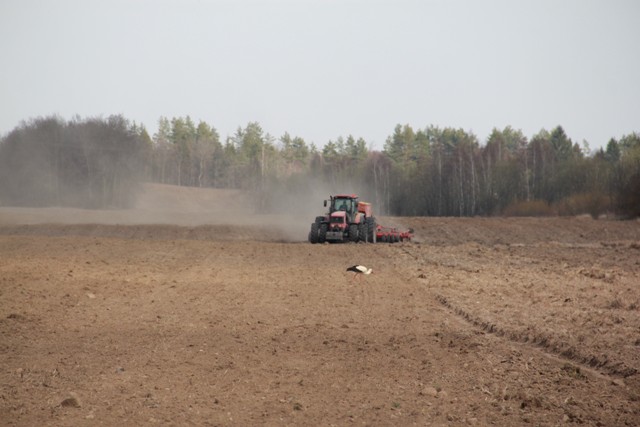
pixel 320 69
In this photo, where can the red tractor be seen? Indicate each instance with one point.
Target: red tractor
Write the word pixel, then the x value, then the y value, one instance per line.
pixel 347 220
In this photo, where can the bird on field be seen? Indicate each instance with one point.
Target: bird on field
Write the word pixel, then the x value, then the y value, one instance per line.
pixel 360 270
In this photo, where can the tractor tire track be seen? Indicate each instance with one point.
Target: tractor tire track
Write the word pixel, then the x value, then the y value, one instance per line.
pixel 546 342
pixel 550 344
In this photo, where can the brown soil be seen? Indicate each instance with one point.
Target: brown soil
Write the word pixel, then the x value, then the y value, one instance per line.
pixel 110 319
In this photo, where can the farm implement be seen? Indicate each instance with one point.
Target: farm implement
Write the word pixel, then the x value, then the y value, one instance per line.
pixel 392 234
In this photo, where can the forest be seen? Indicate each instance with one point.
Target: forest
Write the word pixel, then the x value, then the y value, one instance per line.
pixel 431 171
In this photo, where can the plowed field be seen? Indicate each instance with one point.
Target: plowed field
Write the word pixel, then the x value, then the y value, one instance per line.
pixel 128 318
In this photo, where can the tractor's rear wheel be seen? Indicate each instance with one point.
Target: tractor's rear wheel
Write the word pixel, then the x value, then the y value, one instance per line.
pixel 353 232
pixel 371 229
pixel 313 234
pixel 363 233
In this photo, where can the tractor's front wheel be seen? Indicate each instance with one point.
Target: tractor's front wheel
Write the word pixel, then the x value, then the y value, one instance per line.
pixel 313 234
pixel 322 234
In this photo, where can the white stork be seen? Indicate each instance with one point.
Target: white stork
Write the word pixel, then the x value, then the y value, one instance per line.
pixel 360 270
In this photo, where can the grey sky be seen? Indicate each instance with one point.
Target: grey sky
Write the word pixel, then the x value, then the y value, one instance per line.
pixel 320 69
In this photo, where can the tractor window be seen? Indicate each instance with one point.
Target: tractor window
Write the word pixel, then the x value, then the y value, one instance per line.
pixel 349 204
pixel 342 204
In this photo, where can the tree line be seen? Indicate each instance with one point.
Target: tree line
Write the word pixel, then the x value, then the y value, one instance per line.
pixel 89 163
pixel 432 171
pixel 511 174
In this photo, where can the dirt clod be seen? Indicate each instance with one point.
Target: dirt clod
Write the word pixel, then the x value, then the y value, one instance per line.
pixel 71 402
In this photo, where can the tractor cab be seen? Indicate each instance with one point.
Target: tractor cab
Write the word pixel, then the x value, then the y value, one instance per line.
pixel 344 203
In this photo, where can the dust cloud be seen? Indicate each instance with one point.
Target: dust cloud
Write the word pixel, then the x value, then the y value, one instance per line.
pixel 159 204
pixel 285 213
